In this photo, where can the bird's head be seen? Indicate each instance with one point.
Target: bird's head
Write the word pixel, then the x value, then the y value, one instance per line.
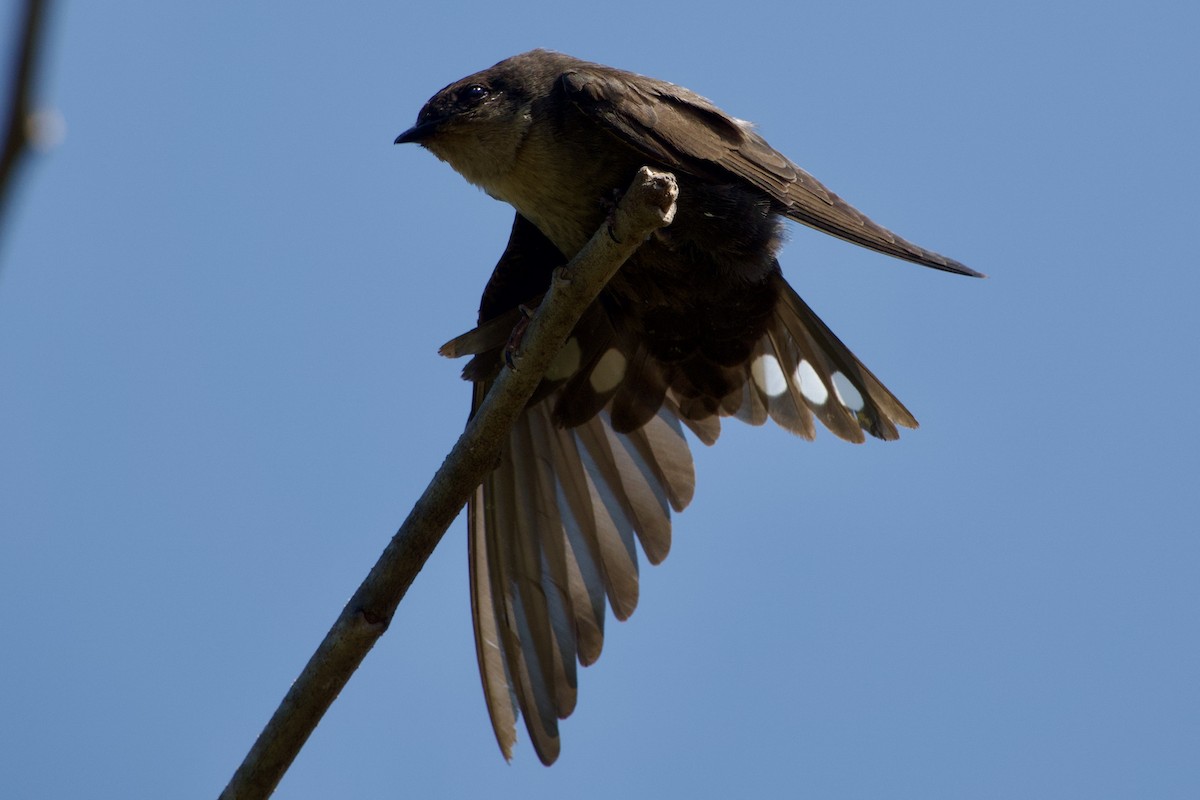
pixel 477 124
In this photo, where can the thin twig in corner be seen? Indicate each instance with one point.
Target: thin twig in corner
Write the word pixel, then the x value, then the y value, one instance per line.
pixel 16 137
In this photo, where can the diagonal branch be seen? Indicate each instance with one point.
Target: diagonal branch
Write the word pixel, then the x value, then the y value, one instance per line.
pixel 648 205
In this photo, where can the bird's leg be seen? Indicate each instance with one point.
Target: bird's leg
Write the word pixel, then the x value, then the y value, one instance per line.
pixel 518 333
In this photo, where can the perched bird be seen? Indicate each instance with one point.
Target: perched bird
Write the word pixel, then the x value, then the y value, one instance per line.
pixel 699 324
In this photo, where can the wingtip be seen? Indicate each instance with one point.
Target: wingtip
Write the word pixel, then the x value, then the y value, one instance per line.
pixel 963 269
pixel 928 258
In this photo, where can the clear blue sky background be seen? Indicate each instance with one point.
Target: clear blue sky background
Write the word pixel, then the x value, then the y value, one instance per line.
pixel 220 302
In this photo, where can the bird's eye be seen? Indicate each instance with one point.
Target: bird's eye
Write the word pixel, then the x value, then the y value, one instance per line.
pixel 473 94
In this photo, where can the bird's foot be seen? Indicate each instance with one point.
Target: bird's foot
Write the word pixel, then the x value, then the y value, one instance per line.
pixel 513 345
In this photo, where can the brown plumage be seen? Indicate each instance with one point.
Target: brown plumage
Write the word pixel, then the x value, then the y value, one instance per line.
pixel 700 324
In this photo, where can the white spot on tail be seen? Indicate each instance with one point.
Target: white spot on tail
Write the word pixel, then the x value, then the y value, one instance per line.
pixel 566 363
pixel 609 371
pixel 811 387
pixel 847 394
pixel 768 375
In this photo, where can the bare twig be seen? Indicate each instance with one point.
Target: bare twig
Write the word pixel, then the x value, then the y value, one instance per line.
pixel 648 205
pixel 16 137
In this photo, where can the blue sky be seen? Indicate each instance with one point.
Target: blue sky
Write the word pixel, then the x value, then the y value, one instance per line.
pixel 220 302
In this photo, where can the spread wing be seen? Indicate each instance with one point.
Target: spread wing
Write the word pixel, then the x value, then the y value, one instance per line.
pixel 552 532
pixel 597 462
pixel 683 131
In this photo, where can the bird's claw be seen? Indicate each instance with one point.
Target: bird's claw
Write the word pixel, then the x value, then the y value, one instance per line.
pixel 513 345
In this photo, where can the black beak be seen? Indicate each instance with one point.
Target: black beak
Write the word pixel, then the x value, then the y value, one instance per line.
pixel 417 133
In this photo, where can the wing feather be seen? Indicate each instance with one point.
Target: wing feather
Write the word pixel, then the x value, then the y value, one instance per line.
pixel 683 131
pixel 552 535
pixel 597 463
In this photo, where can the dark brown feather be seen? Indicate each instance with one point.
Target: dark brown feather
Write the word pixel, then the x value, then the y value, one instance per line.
pixel 681 130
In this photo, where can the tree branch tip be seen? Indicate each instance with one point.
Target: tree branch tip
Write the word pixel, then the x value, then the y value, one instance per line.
pixel 648 204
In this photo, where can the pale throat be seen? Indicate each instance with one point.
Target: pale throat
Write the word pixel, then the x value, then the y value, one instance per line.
pixel 555 189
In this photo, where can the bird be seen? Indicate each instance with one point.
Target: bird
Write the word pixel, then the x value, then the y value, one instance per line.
pixel 699 324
